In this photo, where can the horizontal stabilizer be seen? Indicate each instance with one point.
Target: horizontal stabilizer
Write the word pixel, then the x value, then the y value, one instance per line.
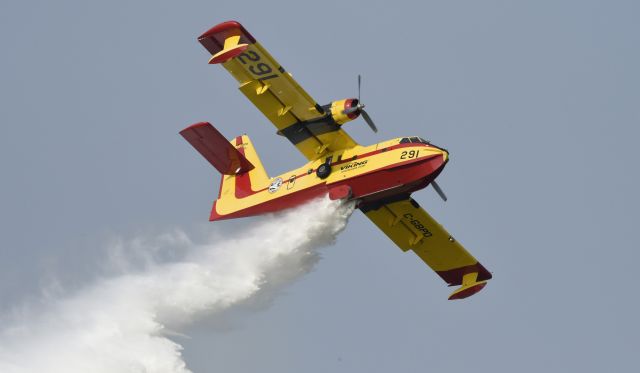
pixel 216 149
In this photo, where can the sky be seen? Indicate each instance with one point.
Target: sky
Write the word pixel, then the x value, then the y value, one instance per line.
pixel 538 103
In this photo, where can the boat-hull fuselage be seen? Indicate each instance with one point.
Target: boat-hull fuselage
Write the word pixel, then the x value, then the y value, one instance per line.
pixel 363 173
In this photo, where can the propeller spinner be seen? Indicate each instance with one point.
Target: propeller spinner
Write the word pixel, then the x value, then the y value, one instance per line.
pixel 359 109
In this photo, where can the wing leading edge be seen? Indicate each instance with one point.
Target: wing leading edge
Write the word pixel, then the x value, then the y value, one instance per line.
pixel 410 227
pixel 274 92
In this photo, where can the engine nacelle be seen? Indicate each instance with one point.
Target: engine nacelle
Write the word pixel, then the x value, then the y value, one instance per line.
pixel 337 110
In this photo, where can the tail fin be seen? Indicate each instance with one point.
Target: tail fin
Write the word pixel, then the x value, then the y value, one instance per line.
pixel 234 187
pixel 209 142
pixel 258 174
pixel 237 160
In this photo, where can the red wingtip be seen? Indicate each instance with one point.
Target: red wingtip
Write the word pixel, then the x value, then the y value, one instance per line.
pixel 454 276
pixel 223 27
pixel 213 39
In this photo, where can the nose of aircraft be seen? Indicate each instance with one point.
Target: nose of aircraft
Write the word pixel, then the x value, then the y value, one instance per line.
pixel 432 159
pixel 445 155
pixel 434 150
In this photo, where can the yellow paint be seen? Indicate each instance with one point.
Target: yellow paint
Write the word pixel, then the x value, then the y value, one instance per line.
pixel 469 279
pixel 270 95
pixel 229 43
pixel 337 108
pixel 416 230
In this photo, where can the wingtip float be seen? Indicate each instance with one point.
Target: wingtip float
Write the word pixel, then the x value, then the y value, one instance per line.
pixel 380 177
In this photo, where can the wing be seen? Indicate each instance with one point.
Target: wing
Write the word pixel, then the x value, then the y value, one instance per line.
pixel 412 228
pixel 273 91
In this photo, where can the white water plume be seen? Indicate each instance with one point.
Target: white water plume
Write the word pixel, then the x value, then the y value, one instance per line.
pixel 120 324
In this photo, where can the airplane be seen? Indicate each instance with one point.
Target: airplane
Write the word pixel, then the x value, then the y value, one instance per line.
pixel 379 177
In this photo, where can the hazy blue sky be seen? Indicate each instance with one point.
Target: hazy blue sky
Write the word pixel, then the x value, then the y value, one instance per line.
pixel 538 102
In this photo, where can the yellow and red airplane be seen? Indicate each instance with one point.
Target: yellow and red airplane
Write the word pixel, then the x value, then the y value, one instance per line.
pixel 380 177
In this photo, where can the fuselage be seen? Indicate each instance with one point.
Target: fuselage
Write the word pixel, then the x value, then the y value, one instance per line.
pixel 366 173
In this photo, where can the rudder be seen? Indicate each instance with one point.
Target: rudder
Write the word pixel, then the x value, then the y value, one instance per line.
pixel 244 184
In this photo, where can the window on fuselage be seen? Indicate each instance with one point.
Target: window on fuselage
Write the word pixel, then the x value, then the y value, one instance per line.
pixel 415 139
pixel 405 140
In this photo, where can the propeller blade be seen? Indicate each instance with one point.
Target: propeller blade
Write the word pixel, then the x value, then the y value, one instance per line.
pixel 367 119
pixel 359 79
pixel 439 190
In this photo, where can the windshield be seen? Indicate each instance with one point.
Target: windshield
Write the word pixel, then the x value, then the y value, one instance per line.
pixel 419 140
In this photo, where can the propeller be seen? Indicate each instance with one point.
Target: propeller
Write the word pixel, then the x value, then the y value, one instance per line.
pixel 438 190
pixel 359 108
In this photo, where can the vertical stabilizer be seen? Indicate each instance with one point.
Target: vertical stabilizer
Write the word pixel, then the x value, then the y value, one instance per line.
pixel 242 185
pixel 237 160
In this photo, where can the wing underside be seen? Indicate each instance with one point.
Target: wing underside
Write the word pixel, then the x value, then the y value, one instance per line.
pixel 294 113
pixel 410 227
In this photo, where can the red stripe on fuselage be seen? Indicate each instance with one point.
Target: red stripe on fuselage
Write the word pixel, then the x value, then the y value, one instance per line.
pixel 274 205
pixel 405 177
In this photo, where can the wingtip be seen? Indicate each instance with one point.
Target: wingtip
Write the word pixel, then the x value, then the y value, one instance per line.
pixel 224 28
pixel 220 27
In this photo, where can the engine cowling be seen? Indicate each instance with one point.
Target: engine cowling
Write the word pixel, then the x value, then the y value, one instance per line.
pixel 338 108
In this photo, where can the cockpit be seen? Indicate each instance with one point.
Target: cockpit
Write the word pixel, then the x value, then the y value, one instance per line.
pixel 419 140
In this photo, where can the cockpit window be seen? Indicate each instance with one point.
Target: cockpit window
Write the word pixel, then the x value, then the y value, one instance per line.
pixel 416 140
